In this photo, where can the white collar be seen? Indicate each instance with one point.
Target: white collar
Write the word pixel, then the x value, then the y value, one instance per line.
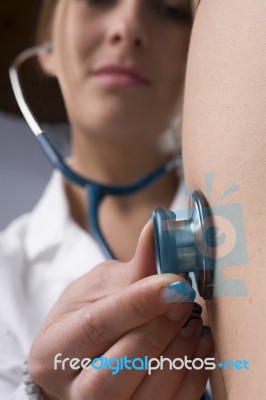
pixel 50 221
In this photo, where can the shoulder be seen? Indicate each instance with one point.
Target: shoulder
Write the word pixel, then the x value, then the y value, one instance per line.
pixel 31 235
pixel 12 241
pixel 13 264
pixel 13 271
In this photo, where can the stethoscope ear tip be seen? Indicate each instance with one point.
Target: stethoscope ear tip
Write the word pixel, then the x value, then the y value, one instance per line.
pixel 182 245
pixel 48 46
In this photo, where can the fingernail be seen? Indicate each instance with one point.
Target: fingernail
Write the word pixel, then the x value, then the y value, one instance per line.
pixel 190 318
pixel 192 328
pixel 206 343
pixel 178 291
pixel 197 309
pixel 206 330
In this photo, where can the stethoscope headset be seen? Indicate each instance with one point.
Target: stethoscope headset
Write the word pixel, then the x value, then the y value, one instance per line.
pixel 181 245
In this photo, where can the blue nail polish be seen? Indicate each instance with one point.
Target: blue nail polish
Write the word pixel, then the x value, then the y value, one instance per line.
pixel 178 291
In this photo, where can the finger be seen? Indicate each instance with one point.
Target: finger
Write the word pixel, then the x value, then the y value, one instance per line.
pixel 101 324
pixel 194 384
pixel 103 280
pixel 143 263
pixel 147 341
pixel 91 331
pixel 167 376
pixel 108 277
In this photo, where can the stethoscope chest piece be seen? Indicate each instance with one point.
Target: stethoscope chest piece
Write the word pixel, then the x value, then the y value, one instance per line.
pixel 184 242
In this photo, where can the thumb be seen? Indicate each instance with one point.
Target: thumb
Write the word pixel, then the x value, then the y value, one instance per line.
pixel 143 263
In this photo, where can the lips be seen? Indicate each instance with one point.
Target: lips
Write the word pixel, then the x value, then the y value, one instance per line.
pixel 117 73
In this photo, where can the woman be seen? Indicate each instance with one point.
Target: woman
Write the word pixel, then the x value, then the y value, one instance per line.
pixel 121 88
pixel 97 97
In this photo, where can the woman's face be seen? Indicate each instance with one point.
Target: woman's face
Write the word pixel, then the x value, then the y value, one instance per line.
pixel 121 63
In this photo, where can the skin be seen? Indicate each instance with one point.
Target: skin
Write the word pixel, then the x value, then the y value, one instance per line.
pixel 117 308
pixel 107 121
pixel 224 133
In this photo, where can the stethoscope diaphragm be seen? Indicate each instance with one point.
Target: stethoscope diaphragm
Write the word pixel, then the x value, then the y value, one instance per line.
pixel 184 242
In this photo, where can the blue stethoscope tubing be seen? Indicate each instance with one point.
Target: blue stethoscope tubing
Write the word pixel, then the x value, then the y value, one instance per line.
pixel 96 192
pixel 176 242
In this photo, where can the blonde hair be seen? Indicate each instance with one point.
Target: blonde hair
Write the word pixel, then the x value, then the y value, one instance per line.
pixel 44 26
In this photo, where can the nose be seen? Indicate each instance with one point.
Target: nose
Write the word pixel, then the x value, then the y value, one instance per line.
pixel 127 27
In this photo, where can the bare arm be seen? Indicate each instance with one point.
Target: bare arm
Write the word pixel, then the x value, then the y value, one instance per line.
pixel 224 139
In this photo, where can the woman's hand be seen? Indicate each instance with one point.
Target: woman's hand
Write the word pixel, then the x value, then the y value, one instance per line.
pixel 116 310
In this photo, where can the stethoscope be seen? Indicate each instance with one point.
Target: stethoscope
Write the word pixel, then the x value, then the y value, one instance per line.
pixel 182 245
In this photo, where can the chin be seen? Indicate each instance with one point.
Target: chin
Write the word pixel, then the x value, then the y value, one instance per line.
pixel 112 121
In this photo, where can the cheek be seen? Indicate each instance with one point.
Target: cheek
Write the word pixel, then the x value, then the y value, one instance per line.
pixel 173 49
pixel 76 44
pixel 173 65
pixel 81 38
pixel 80 35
